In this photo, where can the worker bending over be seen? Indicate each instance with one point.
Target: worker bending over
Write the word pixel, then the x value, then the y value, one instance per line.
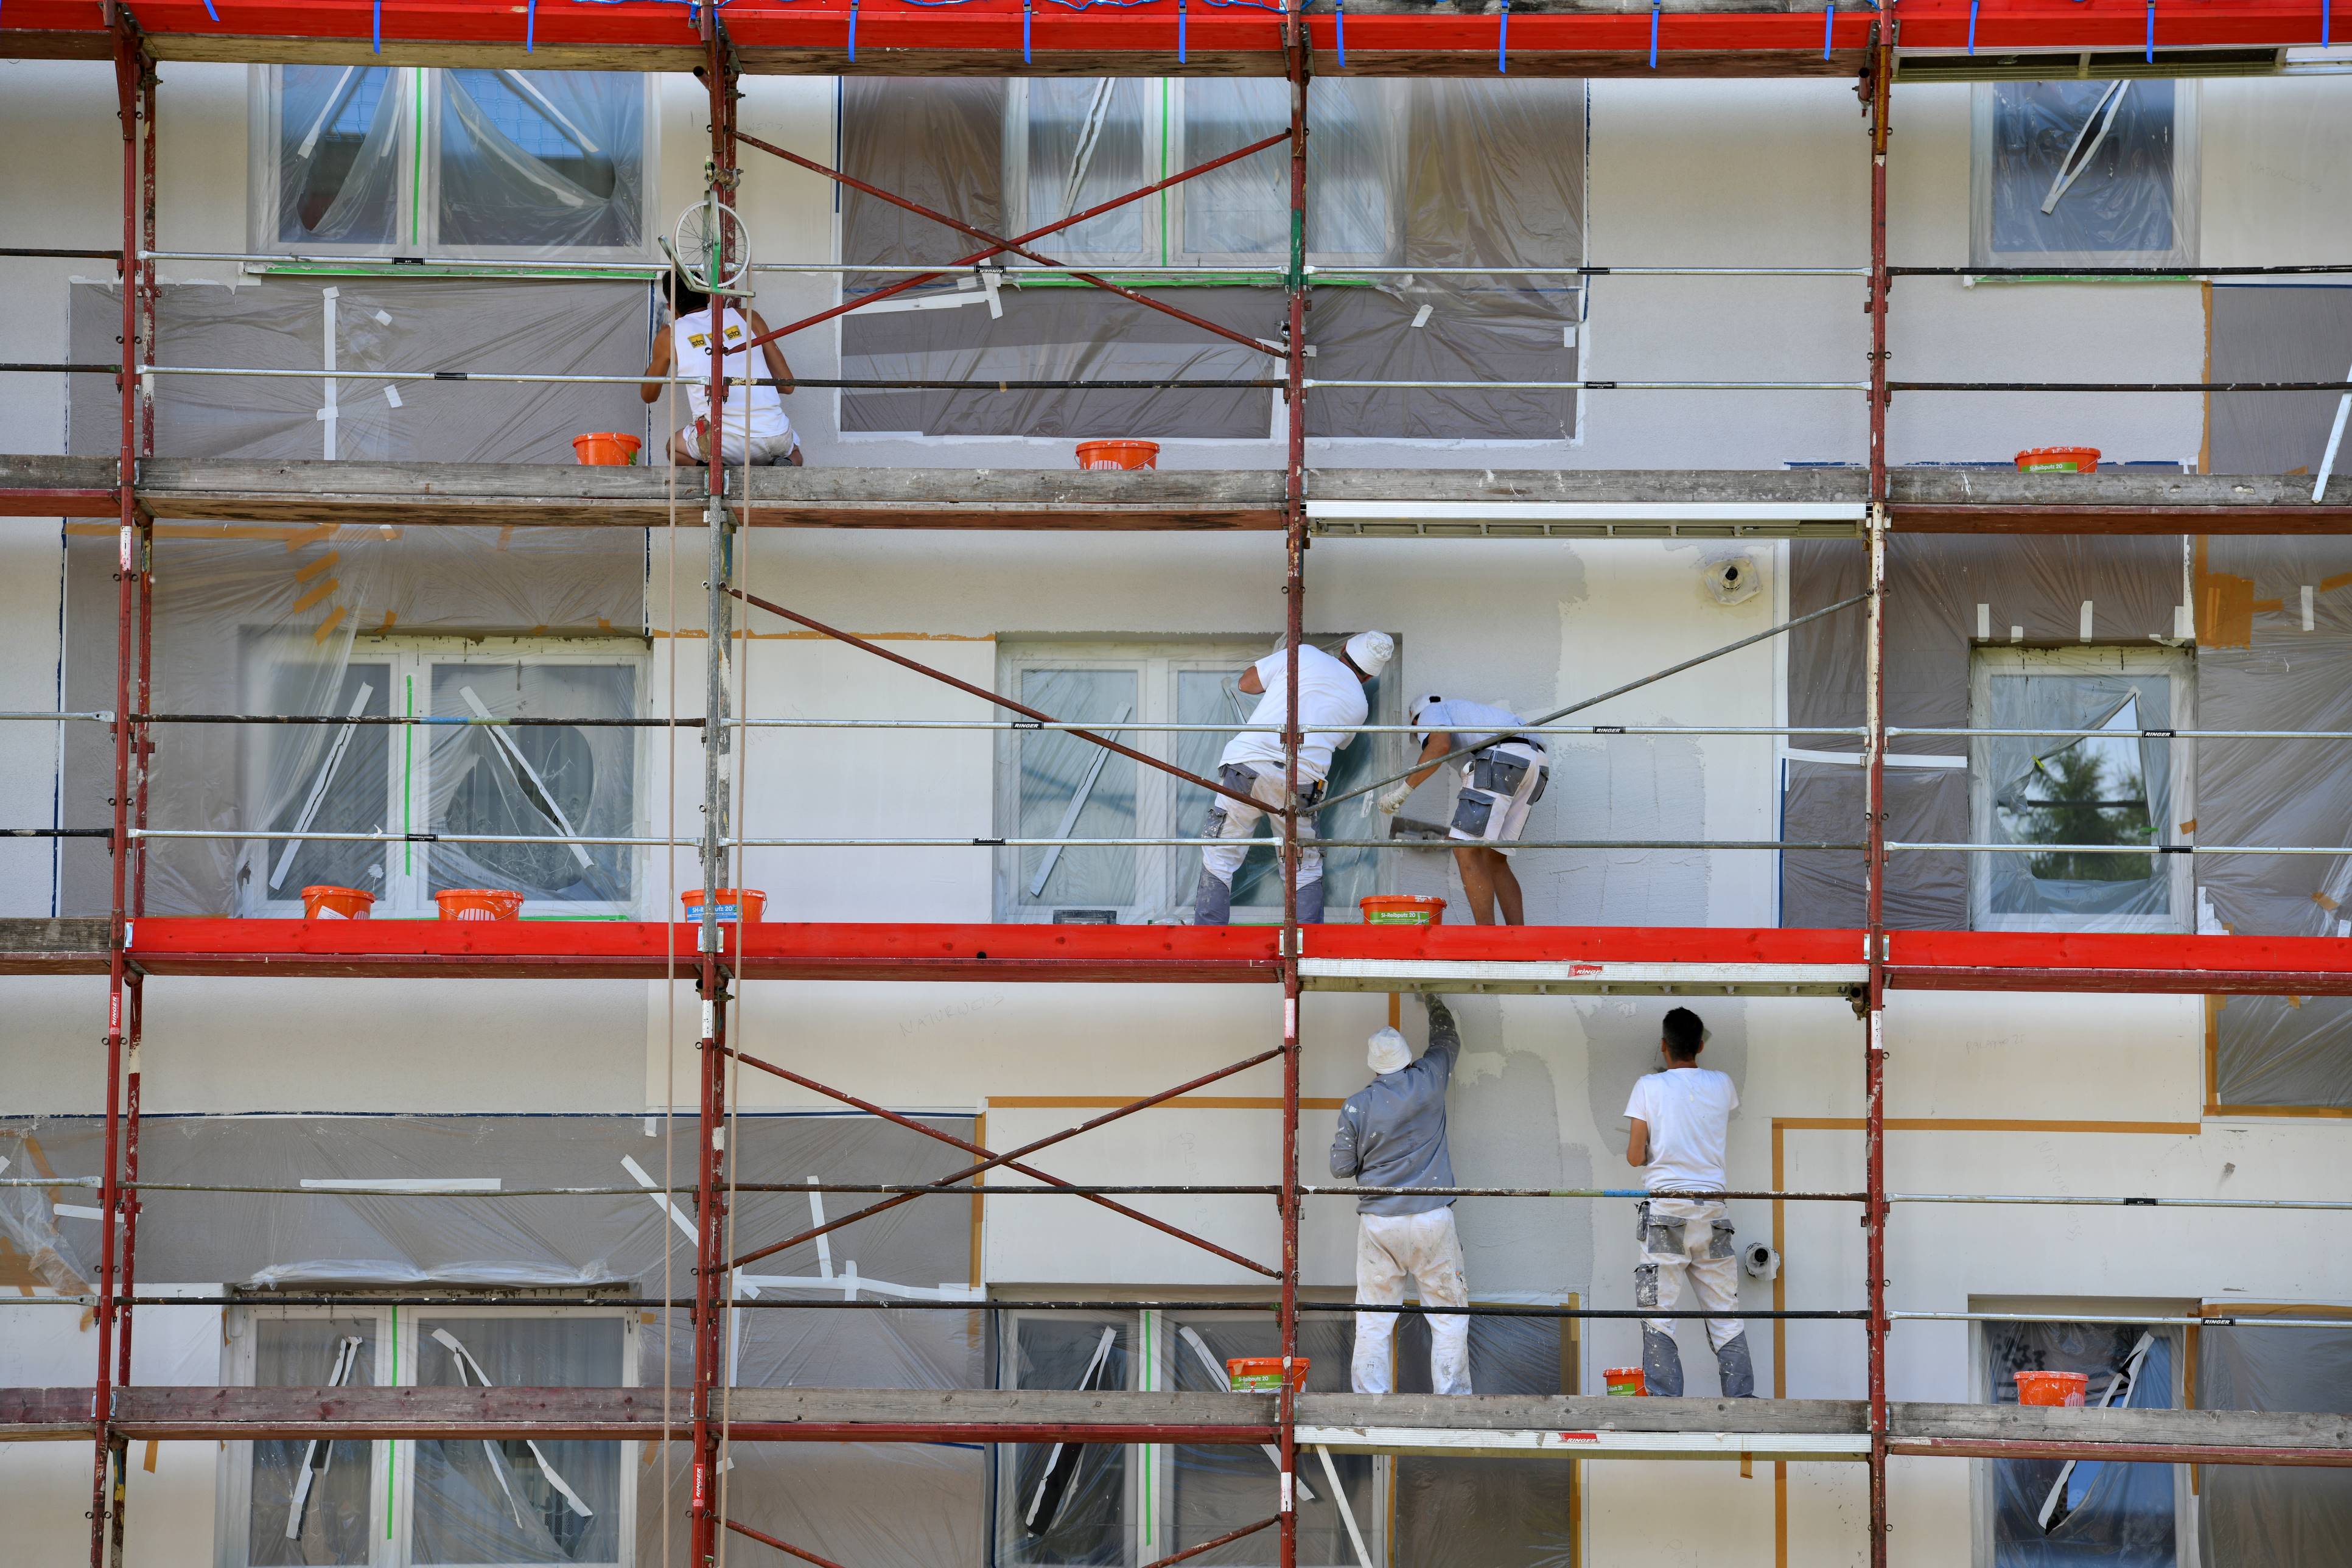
pixel 1681 1117
pixel 1330 692
pixel 1392 1134
pixel 753 412
pixel 1501 779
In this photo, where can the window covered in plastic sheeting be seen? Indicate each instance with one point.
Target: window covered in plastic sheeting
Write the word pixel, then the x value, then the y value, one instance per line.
pixel 2289 1516
pixel 408 162
pixel 1485 1512
pixel 1054 785
pixel 2047 1513
pixel 314 623
pixel 2076 174
pixel 1451 175
pixel 2098 785
pixel 308 1502
pixel 1066 1502
pixel 1220 1487
pixel 516 1499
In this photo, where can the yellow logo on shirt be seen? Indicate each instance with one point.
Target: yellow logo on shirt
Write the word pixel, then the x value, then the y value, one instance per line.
pixel 700 340
pixel 733 331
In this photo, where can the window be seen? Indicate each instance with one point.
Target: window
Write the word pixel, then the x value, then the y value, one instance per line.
pixel 1054 785
pixel 2041 1514
pixel 1072 144
pixel 526 781
pixel 1104 1503
pixel 417 1503
pixel 2078 173
pixel 406 162
pixel 2122 781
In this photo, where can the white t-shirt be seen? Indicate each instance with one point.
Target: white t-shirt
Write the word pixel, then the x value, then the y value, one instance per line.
pixel 1688 1111
pixel 1329 692
pixel 1470 723
pixel 690 354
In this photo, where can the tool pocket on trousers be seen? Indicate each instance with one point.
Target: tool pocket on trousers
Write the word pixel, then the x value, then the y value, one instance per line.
pixel 1665 1237
pixel 1498 772
pixel 1543 783
pixel 1472 813
pixel 1721 1245
pixel 1646 1284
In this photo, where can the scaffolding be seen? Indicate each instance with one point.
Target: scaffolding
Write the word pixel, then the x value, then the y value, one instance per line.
pixel 721 43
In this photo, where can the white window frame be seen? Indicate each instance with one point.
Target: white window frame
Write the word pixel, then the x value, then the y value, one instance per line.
pixel 419 186
pixel 2096 660
pixel 406 889
pixel 392 1501
pixel 1982 1497
pixel 1166 152
pixel 1153 1345
pixel 2187 172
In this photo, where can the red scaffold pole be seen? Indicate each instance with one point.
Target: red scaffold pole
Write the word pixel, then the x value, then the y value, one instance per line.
pixel 1874 1205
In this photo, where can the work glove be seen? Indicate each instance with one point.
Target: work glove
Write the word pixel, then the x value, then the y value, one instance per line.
pixel 1391 800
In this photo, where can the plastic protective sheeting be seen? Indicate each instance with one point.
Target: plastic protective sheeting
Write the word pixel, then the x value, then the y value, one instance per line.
pixel 1949 598
pixel 310 1501
pixel 407 161
pixel 349 323
pixel 339 622
pixel 1485 1512
pixel 2300 332
pixel 2294 1517
pixel 1442 173
pixel 2051 1513
pixel 2077 174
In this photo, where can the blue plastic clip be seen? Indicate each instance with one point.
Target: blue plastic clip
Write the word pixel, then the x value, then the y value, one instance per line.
pixel 530 24
pixel 2326 7
pixel 1829 27
pixel 216 15
pixel 1972 27
pixel 2151 32
pixel 1503 41
pixel 1180 32
pixel 1028 10
pixel 379 26
pixel 1654 34
pixel 853 31
pixel 1339 8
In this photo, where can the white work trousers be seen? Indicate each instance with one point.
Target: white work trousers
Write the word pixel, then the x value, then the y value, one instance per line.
pixel 1681 1238
pixel 1425 1245
pixel 1234 823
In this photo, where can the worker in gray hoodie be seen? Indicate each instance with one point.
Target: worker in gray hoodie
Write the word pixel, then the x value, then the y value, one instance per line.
pixel 1392 1134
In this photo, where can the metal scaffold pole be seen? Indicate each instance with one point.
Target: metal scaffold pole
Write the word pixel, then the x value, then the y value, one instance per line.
pixel 1874 1205
pixel 1294 590
pixel 106 1512
pixel 711 1272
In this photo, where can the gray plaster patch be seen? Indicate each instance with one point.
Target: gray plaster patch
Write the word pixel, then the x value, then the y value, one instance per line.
pixel 1503 1128
pixel 1631 787
pixel 1621 1044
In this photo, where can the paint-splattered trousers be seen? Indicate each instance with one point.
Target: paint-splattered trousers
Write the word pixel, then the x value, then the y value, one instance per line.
pixel 1235 825
pixel 1682 1239
pixel 1425 1245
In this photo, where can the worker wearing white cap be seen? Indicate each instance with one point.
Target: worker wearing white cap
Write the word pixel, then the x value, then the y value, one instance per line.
pixel 1502 779
pixel 1330 692
pixel 1392 1134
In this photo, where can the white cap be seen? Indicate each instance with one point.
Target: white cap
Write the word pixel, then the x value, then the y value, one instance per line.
pixel 1370 651
pixel 1389 1052
pixel 1421 705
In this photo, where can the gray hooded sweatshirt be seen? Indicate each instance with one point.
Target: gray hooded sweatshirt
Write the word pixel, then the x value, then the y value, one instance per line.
pixel 1392 1131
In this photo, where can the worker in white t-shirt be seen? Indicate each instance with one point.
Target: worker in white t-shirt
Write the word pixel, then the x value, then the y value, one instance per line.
pixel 1501 781
pixel 1330 691
pixel 753 413
pixel 1681 1115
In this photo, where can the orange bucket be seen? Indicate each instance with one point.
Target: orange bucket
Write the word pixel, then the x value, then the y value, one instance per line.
pixel 326 903
pixel 1118 454
pixel 2059 460
pixel 734 904
pixel 1624 1380
pixel 480 904
pixel 2053 1388
pixel 606 449
pixel 1401 909
pixel 1263 1374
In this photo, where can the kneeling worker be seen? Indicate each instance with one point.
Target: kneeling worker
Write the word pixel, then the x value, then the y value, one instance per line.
pixel 1330 691
pixel 1681 1118
pixel 751 414
pixel 1392 1134
pixel 1501 780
